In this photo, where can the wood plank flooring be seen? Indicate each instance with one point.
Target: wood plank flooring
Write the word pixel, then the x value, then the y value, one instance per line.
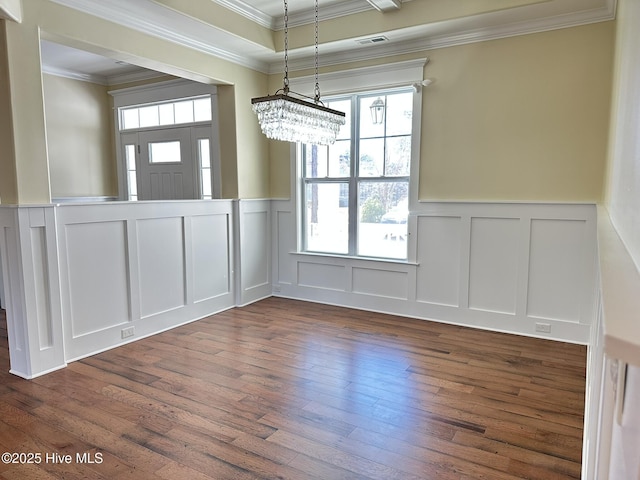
pixel 284 389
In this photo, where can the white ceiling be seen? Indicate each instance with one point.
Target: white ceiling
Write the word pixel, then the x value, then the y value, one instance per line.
pixel 155 18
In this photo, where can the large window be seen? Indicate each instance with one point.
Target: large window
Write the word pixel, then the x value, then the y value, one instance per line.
pixel 360 207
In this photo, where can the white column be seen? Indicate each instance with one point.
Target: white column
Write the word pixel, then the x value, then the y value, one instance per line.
pixel 28 246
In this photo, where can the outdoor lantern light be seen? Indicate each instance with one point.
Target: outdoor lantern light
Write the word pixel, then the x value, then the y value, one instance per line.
pixel 377 111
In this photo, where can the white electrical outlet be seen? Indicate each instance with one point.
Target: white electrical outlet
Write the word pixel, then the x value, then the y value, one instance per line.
pixel 543 327
pixel 127 332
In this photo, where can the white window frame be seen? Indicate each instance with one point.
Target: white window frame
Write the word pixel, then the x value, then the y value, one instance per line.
pixel 164 92
pixel 363 80
pixel 356 178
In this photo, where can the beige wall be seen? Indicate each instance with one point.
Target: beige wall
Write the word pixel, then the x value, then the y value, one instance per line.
pixel 516 119
pixel 8 184
pixel 79 125
pixel 523 118
pixel 253 157
pixel 229 147
pixel 31 179
pixel 623 184
pixel 71 27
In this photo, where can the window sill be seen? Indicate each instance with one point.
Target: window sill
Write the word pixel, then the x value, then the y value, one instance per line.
pixel 356 259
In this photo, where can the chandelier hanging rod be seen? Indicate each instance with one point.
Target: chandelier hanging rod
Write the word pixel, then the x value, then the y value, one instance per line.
pixel 288 118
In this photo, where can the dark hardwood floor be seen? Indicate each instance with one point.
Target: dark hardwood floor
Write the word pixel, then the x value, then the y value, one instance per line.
pixel 284 389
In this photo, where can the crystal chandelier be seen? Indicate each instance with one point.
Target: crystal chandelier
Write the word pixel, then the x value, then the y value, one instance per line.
pixel 297 119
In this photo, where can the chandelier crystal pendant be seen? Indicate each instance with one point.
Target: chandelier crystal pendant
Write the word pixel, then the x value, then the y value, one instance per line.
pixel 296 118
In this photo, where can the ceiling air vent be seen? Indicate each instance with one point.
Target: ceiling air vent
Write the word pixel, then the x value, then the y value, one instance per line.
pixel 367 41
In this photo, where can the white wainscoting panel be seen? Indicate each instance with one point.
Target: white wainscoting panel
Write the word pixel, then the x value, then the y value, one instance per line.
pixel 12 277
pixel 16 327
pixel 39 260
pixel 130 270
pixel 324 276
pixel 211 262
pixel 493 269
pixel 381 283
pixel 557 269
pixel 16 309
pixel 255 247
pixel 439 257
pixel 284 244
pixel 34 319
pixel 97 256
pixel 40 270
pixel 254 217
pixel 518 268
pixel 161 265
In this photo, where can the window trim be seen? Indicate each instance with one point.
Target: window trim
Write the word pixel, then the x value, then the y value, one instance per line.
pixel 354 179
pixel 385 76
pixel 380 77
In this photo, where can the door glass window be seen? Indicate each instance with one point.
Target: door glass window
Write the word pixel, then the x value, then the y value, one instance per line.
pixel 165 152
pixel 205 168
pixel 202 109
pixel 166 114
pixel 149 116
pixel 130 160
pixel 179 112
pixel 129 119
pixel 184 111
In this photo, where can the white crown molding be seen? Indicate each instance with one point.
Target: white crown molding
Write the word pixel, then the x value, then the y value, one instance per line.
pixel 302 17
pixel 299 18
pixel 83 77
pixel 247 11
pixel 386 5
pixel 152 19
pixel 329 12
pixel 461 37
pixel 103 80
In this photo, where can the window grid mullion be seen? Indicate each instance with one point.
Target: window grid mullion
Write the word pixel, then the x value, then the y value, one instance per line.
pixel 353 180
pixel 384 142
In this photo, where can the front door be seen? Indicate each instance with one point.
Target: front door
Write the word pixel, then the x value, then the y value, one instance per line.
pixel 168 170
